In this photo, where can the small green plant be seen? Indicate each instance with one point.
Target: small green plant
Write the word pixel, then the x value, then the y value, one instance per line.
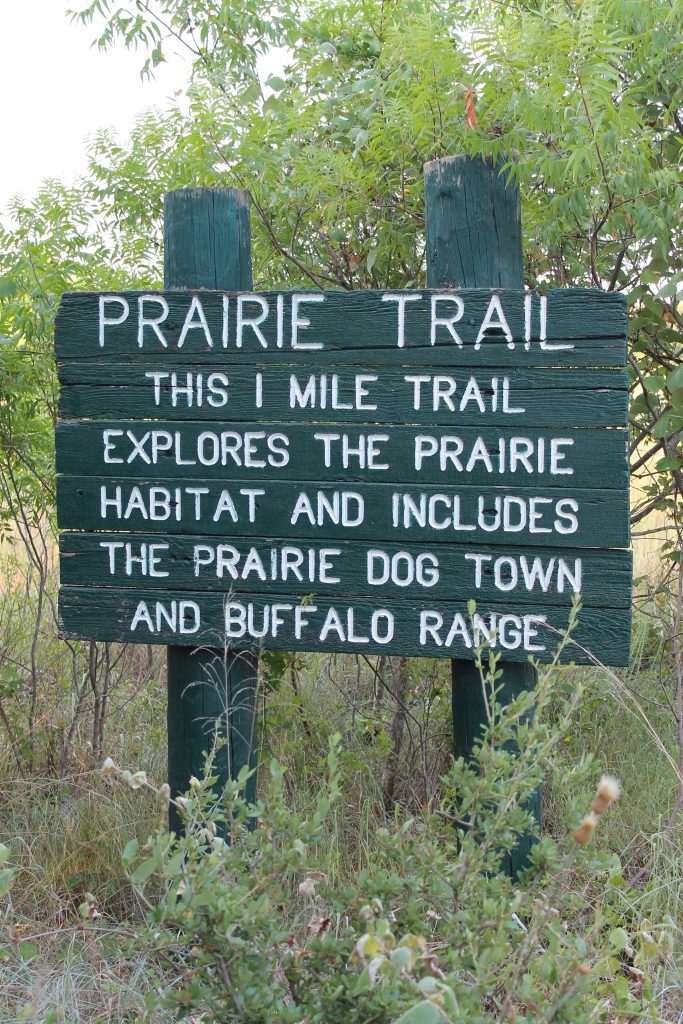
pixel 6 872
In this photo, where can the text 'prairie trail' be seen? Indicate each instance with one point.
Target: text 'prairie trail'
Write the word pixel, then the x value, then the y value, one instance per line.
pixel 288 320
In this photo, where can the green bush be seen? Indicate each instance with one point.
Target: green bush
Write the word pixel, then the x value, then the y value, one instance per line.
pixel 247 913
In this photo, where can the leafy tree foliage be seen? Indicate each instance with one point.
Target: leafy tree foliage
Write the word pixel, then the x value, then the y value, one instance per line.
pixel 580 99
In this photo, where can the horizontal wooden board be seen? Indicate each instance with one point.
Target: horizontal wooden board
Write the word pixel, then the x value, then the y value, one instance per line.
pixel 601 516
pixel 582 455
pixel 527 397
pixel 585 353
pixel 355 626
pixel 583 327
pixel 351 568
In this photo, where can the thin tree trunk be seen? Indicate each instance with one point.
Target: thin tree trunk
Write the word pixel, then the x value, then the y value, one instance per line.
pixel 398 724
pixel 378 689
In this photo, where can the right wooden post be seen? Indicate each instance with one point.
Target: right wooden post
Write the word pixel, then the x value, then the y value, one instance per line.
pixel 474 240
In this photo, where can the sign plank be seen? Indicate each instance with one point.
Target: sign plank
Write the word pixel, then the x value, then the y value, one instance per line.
pixel 441 397
pixel 422 628
pixel 353 568
pixel 591 518
pixel 467 327
pixel 270 450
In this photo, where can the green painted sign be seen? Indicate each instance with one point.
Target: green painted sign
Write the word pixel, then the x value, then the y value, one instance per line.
pixel 345 470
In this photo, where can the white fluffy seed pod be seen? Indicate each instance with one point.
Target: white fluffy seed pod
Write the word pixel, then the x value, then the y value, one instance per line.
pixel 607 792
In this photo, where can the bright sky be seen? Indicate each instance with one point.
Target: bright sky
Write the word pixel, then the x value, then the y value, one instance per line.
pixel 56 90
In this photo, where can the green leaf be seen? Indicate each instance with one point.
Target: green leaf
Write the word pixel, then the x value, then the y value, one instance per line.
pixel 251 93
pixel 272 105
pixel 8 287
pixel 174 865
pixel 670 462
pixel 674 380
pixel 9 684
pixel 6 879
pixel 654 383
pixel 423 1013
pixel 129 853
pixel 636 293
pixel 276 83
pixel 153 1001
pixel 361 137
pixel 668 423
pixel 402 957
pixel 143 871
pixel 670 288
pixel 54 1016
pixel 619 939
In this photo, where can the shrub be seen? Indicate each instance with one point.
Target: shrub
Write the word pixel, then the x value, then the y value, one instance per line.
pixel 246 910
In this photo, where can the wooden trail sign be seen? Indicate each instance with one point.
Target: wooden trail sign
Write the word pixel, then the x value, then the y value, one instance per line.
pixel 344 471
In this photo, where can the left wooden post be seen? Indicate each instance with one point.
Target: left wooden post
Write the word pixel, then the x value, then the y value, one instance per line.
pixel 211 692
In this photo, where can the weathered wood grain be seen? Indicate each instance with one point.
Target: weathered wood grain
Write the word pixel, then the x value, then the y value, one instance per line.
pixel 473 224
pixel 257 565
pixel 80 448
pixel 207 238
pixel 588 353
pixel 549 398
pixel 108 614
pixel 602 515
pixel 361 324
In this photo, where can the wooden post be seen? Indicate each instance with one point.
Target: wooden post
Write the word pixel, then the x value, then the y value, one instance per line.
pixel 474 240
pixel 207 245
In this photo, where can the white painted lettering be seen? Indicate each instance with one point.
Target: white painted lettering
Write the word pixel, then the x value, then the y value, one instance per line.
pixel 191 324
pixel 495 318
pixel 446 321
pixel 253 321
pixel 150 321
pixel 401 299
pixel 106 321
pixel 299 322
